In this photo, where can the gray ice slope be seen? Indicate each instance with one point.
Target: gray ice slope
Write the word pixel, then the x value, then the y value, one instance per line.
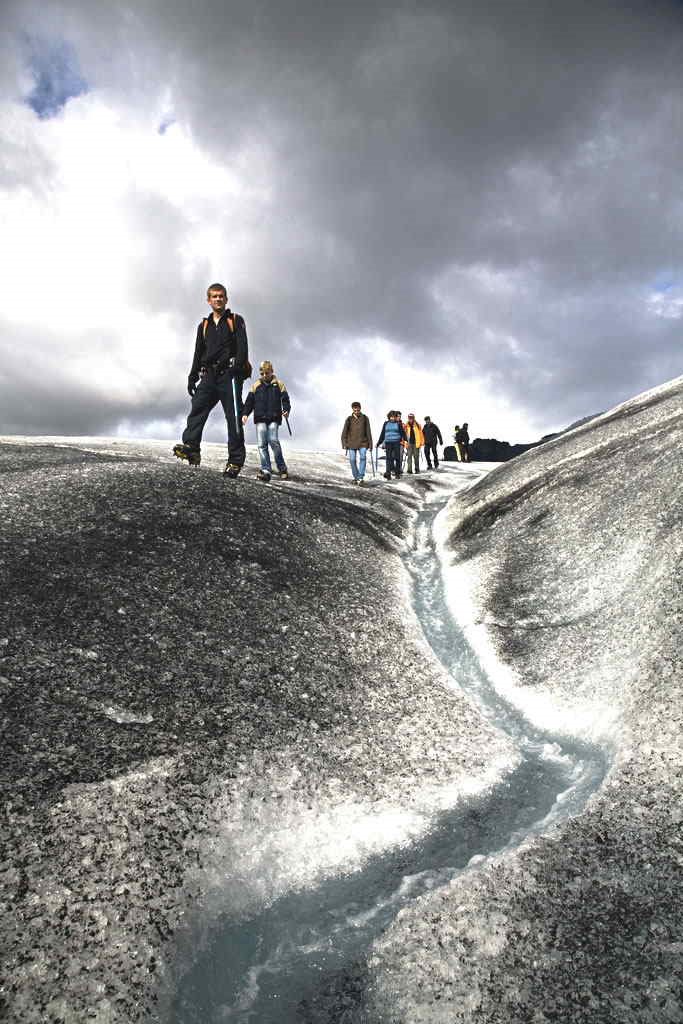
pixel 212 691
pixel 565 569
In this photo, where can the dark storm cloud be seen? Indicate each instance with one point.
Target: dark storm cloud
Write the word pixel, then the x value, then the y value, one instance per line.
pixel 499 181
pixel 538 141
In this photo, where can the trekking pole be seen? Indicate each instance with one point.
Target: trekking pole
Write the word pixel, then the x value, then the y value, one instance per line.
pixel 286 419
pixel 238 418
pixel 372 463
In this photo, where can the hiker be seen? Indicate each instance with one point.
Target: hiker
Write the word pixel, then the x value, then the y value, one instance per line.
pixel 462 441
pixel 356 438
pixel 465 442
pixel 269 401
pixel 432 436
pixel 391 439
pixel 219 368
pixel 399 420
pixel 456 443
pixel 413 440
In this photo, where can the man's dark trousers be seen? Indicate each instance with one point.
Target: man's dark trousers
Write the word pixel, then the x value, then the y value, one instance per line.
pixel 211 390
pixel 430 449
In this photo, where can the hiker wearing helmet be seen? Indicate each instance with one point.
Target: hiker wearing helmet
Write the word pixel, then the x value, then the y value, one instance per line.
pixel 269 401
pixel 219 369
pixel 413 440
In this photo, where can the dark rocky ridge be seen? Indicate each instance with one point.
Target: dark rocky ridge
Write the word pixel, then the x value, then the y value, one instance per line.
pixel 489 449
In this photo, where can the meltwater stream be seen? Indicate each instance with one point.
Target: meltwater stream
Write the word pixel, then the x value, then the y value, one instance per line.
pixel 272 967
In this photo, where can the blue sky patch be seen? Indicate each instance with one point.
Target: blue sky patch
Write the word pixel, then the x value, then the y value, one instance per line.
pixel 664 281
pixel 56 73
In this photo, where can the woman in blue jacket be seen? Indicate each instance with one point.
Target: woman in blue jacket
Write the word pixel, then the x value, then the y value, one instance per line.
pixel 391 437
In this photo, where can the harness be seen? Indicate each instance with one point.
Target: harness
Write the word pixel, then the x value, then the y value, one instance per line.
pixel 222 365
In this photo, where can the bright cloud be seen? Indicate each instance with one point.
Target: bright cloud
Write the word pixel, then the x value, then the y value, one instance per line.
pixel 433 208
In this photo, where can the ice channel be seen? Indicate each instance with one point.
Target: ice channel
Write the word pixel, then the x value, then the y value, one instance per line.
pixel 272 967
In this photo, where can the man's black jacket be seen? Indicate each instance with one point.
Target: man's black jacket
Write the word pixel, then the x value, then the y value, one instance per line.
pixel 216 345
pixel 432 434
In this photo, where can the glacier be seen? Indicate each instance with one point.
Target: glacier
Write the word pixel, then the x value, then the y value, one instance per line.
pixel 215 697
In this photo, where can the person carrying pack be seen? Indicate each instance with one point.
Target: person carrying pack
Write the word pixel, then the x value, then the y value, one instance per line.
pixel 356 439
pixel 269 401
pixel 219 369
pixel 432 436
pixel 465 441
pixel 456 443
pixel 390 437
pixel 462 443
pixel 414 440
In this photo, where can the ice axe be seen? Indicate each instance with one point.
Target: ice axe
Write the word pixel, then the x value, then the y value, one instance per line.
pixel 286 419
pixel 236 409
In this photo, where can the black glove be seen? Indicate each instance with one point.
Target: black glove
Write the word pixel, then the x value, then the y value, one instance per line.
pixel 191 386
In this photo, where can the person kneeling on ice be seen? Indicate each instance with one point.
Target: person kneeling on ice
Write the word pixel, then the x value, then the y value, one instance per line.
pixel 220 365
pixel 391 439
pixel 269 401
pixel 356 439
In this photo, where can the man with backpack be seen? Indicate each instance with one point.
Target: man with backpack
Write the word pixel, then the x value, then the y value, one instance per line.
pixel 432 436
pixel 356 439
pixel 462 443
pixel 219 368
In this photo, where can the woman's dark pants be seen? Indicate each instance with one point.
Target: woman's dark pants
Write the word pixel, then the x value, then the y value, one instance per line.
pixel 392 450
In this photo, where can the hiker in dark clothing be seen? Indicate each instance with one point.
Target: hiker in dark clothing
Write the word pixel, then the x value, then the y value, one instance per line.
pixel 219 368
pixel 462 440
pixel 356 438
pixel 432 436
pixel 391 439
pixel 269 401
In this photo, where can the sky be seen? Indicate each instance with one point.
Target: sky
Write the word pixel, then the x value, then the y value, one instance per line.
pixel 464 210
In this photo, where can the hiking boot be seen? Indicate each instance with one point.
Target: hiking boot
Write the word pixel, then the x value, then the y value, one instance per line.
pixel 360 480
pixel 187 454
pixel 263 475
pixel 232 470
pixel 387 476
pixel 284 475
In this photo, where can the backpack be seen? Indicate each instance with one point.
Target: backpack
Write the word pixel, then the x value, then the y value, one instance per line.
pixel 232 321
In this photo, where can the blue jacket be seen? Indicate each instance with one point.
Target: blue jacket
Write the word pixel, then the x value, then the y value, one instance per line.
pixel 267 400
pixel 391 432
